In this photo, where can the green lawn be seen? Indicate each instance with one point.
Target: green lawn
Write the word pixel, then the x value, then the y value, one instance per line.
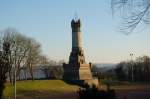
pixel 46 89
pixel 39 88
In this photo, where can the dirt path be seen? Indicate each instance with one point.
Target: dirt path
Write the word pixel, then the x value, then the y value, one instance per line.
pixel 133 94
pixel 64 96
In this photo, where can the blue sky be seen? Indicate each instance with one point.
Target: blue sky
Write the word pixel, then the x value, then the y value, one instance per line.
pixel 48 21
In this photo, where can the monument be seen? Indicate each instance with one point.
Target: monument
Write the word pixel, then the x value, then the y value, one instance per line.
pixel 77 68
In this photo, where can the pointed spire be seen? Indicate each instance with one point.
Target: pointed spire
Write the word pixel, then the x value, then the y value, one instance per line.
pixel 76 18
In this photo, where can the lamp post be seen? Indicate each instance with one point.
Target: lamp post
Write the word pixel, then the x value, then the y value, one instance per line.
pixel 131 55
pixel 15 82
pixel 14 75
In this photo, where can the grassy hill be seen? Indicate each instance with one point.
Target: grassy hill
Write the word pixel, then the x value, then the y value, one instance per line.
pixel 39 89
pixel 58 89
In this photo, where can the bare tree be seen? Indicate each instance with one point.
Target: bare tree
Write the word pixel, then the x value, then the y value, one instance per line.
pixel 134 13
pixel 25 52
pixel 33 55
pixel 4 64
pixel 7 36
pixel 18 48
pixel 44 62
pixel 56 72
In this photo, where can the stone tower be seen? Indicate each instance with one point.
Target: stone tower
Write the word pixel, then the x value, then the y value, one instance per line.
pixel 77 69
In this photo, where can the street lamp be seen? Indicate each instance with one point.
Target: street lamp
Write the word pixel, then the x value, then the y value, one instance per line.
pixel 14 76
pixel 131 55
pixel 15 82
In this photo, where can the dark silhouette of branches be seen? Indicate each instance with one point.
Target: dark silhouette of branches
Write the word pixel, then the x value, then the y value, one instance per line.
pixel 134 13
pixel 25 52
pixel 4 65
pixel 140 69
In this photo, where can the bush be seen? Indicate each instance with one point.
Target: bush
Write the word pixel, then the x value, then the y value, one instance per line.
pixel 94 93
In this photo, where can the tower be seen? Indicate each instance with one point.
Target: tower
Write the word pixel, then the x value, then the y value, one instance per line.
pixel 77 54
pixel 77 69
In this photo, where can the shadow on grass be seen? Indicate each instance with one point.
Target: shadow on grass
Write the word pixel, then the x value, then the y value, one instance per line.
pixel 80 83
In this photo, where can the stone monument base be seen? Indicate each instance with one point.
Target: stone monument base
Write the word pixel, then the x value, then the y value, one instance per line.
pixel 77 72
pixel 92 82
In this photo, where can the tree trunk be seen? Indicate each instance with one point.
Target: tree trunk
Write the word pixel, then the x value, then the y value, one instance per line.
pixel 1 88
pixel 18 74
pixel 10 76
pixel 13 76
pixel 25 74
pixel 31 72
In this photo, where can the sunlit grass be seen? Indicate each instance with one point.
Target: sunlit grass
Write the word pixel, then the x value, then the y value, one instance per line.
pixel 43 89
pixel 39 87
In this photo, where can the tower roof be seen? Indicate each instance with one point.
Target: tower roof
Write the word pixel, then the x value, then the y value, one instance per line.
pixel 75 23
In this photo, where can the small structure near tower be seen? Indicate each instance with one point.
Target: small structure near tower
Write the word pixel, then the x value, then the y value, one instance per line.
pixel 77 68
